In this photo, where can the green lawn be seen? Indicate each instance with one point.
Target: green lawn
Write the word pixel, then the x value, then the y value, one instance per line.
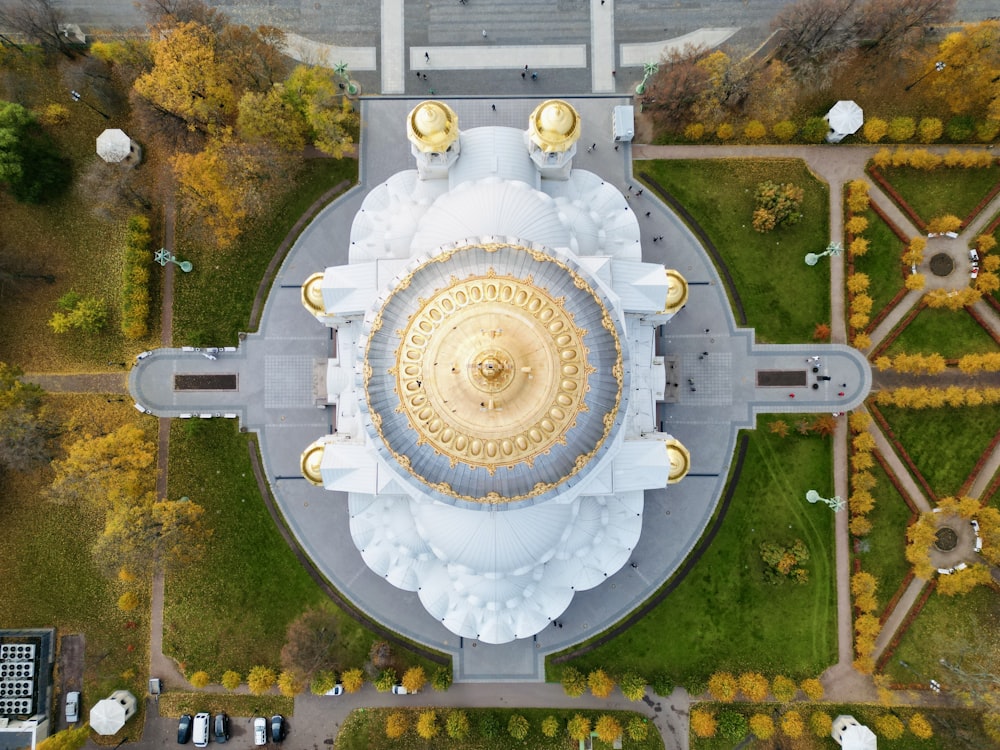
pixel 940 331
pixel 881 262
pixel 783 297
pixel 235 704
pixel 944 443
pixel 49 579
pixel 364 729
pixel 231 611
pixel 953 728
pixel 942 191
pixel 212 304
pixel 724 616
pixel 882 551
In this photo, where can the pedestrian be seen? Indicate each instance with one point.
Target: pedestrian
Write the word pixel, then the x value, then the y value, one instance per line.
pixel 706 330
pixel 525 68
pixel 630 188
pixel 639 191
pixel 843 385
pixel 425 76
pixel 534 75
pixel 589 149
pixel 523 74
pixel 705 353
pixel 791 395
pixel 593 146
pixel 841 394
pixel 613 72
pixel 484 33
pixel 647 214
pixel 418 73
pixel 634 565
pixel 616 147
pixel 494 107
pixel 427 56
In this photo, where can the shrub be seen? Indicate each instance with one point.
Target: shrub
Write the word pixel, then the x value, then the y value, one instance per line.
pixel 128 601
pixel 791 724
pixel 815 130
pixel 856 225
pixel 396 725
pixel 578 727
pixel 662 684
pixel 901 129
pixel 323 682
pixel 638 728
pixel 722 686
pixel 754 686
pixel 784 131
pixel 857 196
pixel 199 679
pixel 820 723
pixel 991 725
pixel 414 679
pixel 875 129
pixel 573 682
pixel 694 132
pixel 456 724
pixel 490 727
pixel 889 726
pixel 633 686
pixel 725 132
pixel 607 728
pixel 53 115
pixel 427 725
pixel 783 689
pixel 762 726
pixel 135 279
pixel 882 158
pixel 703 723
pixel 960 128
pixel 231 680
pixel 858 247
pixel 920 727
pixel 289 684
pixel 380 654
pixel 732 724
pixel 442 678
pixel 915 281
pixel 517 727
pixel 930 129
pixel 352 680
pixel 776 205
pixel 754 130
pixel 987 130
pixel 946 223
pixel 550 726
pixel 385 680
pixel 87 314
pixel 600 683
pixel 261 679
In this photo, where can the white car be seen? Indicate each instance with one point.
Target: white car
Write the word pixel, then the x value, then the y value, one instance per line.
pixel 73 707
pixel 260 731
pixel 337 689
pixel 399 690
pixel 202 721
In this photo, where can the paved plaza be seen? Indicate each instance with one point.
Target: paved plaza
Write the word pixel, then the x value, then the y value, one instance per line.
pixel 718 380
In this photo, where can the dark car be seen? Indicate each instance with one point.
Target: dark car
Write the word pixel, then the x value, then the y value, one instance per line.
pixel 278 727
pixel 184 729
pixel 221 728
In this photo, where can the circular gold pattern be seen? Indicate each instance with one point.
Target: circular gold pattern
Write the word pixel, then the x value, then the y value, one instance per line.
pixel 491 371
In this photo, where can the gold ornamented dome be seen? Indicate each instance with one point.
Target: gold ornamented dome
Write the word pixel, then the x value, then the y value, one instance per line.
pixel 495 373
pixel 311 460
pixel 677 291
pixel 680 461
pixel 554 126
pixel 312 294
pixel 432 127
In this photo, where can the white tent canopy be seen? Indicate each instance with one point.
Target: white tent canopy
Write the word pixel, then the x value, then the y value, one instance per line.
pixel 845 118
pixel 110 714
pixel 858 737
pixel 114 145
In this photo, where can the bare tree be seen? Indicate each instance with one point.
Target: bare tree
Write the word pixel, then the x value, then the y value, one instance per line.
pixel 309 643
pixel 39 20
pixel 674 90
pixel 884 27
pixel 814 34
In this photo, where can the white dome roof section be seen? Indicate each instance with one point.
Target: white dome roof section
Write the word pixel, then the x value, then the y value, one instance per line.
pixel 384 532
pixel 494 152
pixel 389 216
pixel 597 216
pixel 491 207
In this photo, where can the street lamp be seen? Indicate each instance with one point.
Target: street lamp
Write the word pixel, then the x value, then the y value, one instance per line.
pixel 833 249
pixel 352 87
pixel 164 256
pixel 78 97
pixel 834 503
pixel 938 67
pixel 649 70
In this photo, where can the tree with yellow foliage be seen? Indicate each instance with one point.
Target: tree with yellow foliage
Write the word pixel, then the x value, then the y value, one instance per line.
pixel 963 581
pixel 965 83
pixel 723 686
pixel 414 679
pixel 915 281
pixel 352 680
pixel 261 679
pixel 813 688
pixel 600 683
pixel 427 724
pixel 703 723
pixel 945 223
pixel 889 726
pixel 920 727
pixel 863 588
pixel 820 723
pixel 875 129
pixel 396 724
pixel 858 282
pixel 783 688
pixel 608 728
pixel 792 725
pixel 578 727
pixel 856 225
pixel 762 726
pixel 754 686
pixel 199 679
pixel 289 684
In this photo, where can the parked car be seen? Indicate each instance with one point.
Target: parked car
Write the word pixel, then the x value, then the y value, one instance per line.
pixel 72 707
pixel 221 728
pixel 399 690
pixel 202 727
pixel 278 727
pixel 337 689
pixel 260 731
pixel 184 729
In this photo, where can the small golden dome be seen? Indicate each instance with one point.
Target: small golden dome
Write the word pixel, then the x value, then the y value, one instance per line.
pixel 432 127
pixel 680 461
pixel 554 126
pixel 312 459
pixel 312 294
pixel 677 291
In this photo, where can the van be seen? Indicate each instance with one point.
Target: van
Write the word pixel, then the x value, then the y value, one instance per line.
pixel 201 729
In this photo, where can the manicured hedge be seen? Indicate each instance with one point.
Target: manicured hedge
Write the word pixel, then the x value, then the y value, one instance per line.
pixel 135 279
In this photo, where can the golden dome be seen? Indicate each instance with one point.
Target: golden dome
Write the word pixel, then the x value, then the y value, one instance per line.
pixel 312 294
pixel 680 461
pixel 312 459
pixel 554 126
pixel 432 127
pixel 677 291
